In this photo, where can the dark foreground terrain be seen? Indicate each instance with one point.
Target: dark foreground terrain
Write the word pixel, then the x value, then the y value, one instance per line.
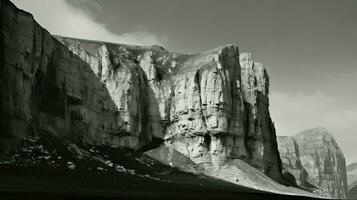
pixel 47 168
pixel 19 184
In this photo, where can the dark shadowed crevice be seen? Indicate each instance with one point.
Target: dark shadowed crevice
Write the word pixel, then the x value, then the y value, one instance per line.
pixel 155 143
pixel 246 126
pixel 2 46
pixel 197 83
pixel 2 66
pixel 263 117
pixel 207 141
pixel 51 93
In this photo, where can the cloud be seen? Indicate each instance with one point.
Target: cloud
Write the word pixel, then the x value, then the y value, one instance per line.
pixel 294 113
pixel 61 18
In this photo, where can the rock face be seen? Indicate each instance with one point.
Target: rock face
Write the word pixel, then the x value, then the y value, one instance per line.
pixel 211 107
pixel 314 158
pixel 45 87
pixel 352 192
pixel 289 154
pixel 352 180
pixel 351 174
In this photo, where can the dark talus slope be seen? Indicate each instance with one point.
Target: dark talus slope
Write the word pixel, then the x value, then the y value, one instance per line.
pixel 314 158
pixel 234 171
pixel 46 167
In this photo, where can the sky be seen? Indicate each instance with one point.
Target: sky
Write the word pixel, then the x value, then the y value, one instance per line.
pixel 309 47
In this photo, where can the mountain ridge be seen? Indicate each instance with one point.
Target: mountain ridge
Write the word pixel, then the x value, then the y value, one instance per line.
pixel 317 163
pixel 211 107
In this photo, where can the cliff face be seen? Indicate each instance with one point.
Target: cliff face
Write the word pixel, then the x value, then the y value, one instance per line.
pixel 352 180
pixel 46 88
pixel 206 106
pixel 352 192
pixel 351 174
pixel 289 154
pixel 211 106
pixel 314 158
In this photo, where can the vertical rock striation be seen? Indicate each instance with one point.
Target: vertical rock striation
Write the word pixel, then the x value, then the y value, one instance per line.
pixel 351 175
pixel 289 154
pixel 259 129
pixel 316 161
pixel 211 107
pixel 352 181
pixel 47 88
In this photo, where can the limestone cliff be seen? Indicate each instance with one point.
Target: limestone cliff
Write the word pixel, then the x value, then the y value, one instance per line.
pixel 352 180
pixel 351 174
pixel 46 88
pixel 314 158
pixel 211 106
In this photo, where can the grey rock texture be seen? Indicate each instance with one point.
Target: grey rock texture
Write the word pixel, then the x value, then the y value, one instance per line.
pixel 289 154
pixel 211 106
pixel 45 87
pixel 352 192
pixel 352 180
pixel 351 174
pixel 314 158
pixel 197 103
pixel 235 171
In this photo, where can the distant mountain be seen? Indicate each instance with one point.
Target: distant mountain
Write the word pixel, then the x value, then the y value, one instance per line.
pixel 315 160
pixel 352 192
pixel 352 180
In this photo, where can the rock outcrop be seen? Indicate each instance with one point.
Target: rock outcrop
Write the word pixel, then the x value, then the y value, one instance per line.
pixel 352 192
pixel 314 158
pixel 352 180
pixel 351 174
pixel 45 87
pixel 211 107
